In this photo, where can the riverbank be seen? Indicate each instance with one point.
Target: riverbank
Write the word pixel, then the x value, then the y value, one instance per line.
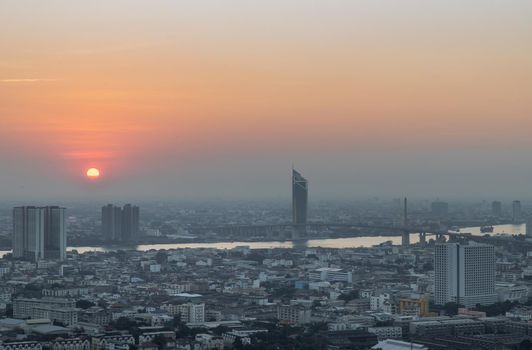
pixel 338 243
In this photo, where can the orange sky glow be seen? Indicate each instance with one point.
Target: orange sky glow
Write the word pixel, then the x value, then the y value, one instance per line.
pixel 115 84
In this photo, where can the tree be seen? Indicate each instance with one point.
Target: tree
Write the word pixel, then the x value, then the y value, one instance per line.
pixel 525 345
pixel 354 294
pixel 287 292
pixel 84 304
pixel 220 330
pixel 160 341
pixel 237 344
pixel 59 323
pixel 161 257
pixel 317 327
pixel 497 308
pixel 451 308
pixel 124 324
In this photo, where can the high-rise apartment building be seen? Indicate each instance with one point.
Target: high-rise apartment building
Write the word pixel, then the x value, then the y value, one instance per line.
pixel 112 222
pixel 516 211
pixel 299 198
pixel 496 209
pixel 28 233
pixel 39 233
pixel 130 223
pixel 120 224
pixel 54 233
pixel 464 274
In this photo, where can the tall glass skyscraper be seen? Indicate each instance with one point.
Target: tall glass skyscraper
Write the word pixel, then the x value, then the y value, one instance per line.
pixel 299 198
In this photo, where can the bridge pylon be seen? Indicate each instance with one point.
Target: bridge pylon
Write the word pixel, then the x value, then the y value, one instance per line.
pixel 405 236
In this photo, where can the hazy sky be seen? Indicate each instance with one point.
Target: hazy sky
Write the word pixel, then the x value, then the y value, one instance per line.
pixel 217 98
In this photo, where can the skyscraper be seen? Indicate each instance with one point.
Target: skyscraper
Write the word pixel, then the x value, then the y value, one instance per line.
pixel 112 222
pixel 516 211
pixel 120 224
pixel 299 198
pixel 54 233
pixel 464 274
pixel 130 223
pixel 496 209
pixel 28 233
pixel 39 233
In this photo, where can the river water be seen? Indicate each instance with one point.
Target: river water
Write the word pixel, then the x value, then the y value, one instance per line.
pixel 352 242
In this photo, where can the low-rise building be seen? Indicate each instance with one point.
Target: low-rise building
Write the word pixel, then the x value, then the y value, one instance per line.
pixel 293 314
pixel 384 333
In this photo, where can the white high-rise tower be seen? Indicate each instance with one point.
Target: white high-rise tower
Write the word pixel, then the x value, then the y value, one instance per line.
pixel 464 274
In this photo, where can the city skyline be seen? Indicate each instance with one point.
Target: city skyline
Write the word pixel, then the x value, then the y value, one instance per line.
pixel 258 175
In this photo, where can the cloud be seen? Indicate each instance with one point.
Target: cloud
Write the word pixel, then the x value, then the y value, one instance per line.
pixel 27 80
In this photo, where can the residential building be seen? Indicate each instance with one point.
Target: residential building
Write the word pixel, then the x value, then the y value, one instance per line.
pixel 120 224
pixel 39 233
pixel 24 307
pixel 293 314
pixel 384 333
pixel 414 306
pixel 329 274
pixel 464 274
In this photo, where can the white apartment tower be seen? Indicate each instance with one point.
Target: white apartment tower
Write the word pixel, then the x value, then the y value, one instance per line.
pixel 464 274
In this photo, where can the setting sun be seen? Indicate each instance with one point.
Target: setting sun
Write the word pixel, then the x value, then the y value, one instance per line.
pixel 93 173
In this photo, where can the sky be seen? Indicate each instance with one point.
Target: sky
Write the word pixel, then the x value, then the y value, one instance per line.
pixel 217 99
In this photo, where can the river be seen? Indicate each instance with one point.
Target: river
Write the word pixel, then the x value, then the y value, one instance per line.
pixel 352 242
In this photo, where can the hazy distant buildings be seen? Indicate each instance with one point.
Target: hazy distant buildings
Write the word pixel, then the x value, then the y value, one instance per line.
pixel 39 233
pixel 496 209
pixel 299 198
pixel 464 274
pixel 112 222
pixel 130 223
pixel 529 227
pixel 28 233
pixel 54 233
pixel 120 224
pixel 440 209
pixel 516 211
